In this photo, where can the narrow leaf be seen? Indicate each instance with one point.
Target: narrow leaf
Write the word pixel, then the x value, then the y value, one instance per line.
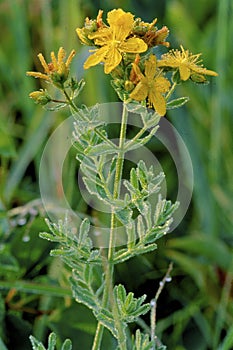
pixel 52 341
pixel 67 345
pixel 178 102
pixel 124 216
pixel 102 148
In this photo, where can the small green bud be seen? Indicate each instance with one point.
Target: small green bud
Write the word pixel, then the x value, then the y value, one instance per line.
pixel 129 86
pixel 40 97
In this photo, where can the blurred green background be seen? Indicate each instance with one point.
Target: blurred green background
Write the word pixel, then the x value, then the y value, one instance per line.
pixel 195 310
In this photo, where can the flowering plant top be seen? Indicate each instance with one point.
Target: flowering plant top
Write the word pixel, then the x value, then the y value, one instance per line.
pixel 126 47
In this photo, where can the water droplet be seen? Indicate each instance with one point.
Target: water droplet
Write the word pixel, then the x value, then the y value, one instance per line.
pixel 161 283
pixel 21 221
pixel 26 238
pixel 152 303
pixel 168 279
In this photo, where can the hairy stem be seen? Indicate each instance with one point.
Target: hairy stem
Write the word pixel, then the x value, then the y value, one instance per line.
pixel 108 296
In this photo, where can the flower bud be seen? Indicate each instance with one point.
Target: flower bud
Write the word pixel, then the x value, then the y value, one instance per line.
pixel 40 97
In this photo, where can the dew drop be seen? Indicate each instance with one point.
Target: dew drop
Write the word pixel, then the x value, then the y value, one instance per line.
pixel 168 279
pixel 22 221
pixel 26 238
pixel 152 303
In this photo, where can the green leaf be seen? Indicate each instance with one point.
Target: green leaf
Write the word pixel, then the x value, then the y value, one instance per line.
pixel 142 341
pixel 140 227
pixel 136 107
pixel 77 87
pixel 124 254
pixel 83 290
pixel 49 237
pixel 96 189
pixel 131 235
pixel 105 317
pixel 83 238
pixel 36 344
pixel 102 148
pixel 124 216
pixel 52 341
pixel 178 102
pixel 53 108
pixel 141 141
pixel 134 178
pixel 83 295
pixel 129 308
pixel 67 345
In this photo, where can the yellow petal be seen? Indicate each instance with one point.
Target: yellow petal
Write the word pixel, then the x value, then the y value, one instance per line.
pixel 43 63
pixel 162 84
pixel 205 71
pixel 184 72
pixel 120 18
pixel 96 58
pixel 101 36
pixel 70 57
pixel 133 45
pixel 60 56
pixel 121 23
pixel 158 102
pixel 54 61
pixel 150 67
pixel 140 92
pixel 112 60
pixel 38 75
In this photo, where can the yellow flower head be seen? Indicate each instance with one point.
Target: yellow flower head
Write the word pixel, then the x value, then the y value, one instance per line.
pixel 114 40
pixel 187 63
pixel 151 85
pixel 57 70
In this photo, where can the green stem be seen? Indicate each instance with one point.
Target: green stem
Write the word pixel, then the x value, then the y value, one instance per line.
pixel 109 267
pixel 118 176
pixel 150 124
pixel 170 92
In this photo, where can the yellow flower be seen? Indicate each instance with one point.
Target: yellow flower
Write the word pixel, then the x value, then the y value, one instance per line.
pixel 56 71
pixel 151 85
pixel 113 41
pixel 187 63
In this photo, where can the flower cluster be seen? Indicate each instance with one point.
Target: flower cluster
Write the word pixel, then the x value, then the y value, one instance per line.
pixel 57 71
pixel 125 46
